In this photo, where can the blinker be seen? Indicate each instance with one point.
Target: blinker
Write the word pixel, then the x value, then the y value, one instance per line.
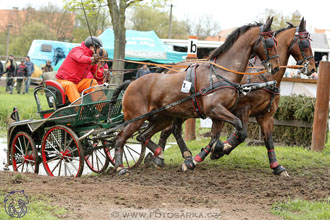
pixel 304 44
pixel 269 42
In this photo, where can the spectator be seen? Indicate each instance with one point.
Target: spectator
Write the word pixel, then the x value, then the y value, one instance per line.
pixel 48 67
pixel 142 71
pixel 1 69
pixel 10 69
pixel 22 72
pixel 30 67
pixel 81 60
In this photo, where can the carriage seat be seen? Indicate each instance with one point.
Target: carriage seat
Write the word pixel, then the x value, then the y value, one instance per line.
pixel 54 88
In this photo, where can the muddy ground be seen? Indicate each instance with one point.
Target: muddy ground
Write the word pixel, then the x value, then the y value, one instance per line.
pixel 236 193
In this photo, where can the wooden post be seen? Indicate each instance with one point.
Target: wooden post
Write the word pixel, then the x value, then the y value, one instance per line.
pixel 321 107
pixel 190 124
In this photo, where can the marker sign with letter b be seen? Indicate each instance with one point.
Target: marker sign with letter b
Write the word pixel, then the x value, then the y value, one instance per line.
pixel 192 47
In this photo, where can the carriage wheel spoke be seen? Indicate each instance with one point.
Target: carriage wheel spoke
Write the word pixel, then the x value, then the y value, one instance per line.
pixel 67 145
pixel 56 140
pixel 126 159
pixel 55 158
pixel 19 166
pixel 70 152
pixel 98 159
pixel 56 165
pixel 22 167
pixel 128 149
pixel 20 150
pixel 52 146
pixel 132 149
pixel 59 170
pixel 73 165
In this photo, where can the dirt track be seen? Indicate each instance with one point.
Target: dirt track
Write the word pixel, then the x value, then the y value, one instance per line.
pixel 238 194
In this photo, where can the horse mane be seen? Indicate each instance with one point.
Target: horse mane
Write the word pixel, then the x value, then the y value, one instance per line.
pixel 231 39
pixel 290 25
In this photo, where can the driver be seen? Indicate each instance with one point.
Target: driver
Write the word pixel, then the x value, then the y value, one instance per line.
pixel 81 60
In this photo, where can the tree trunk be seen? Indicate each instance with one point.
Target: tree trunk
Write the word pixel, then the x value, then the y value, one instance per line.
pixel 118 21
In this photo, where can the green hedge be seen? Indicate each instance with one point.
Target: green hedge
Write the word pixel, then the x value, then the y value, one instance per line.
pixel 296 107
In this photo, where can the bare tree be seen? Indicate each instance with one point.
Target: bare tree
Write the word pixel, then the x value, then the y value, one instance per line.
pixel 202 27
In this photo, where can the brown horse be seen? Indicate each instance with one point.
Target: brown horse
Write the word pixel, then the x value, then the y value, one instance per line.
pixel 263 103
pixel 153 91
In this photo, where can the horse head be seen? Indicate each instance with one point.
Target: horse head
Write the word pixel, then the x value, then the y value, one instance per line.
pixel 300 48
pixel 266 47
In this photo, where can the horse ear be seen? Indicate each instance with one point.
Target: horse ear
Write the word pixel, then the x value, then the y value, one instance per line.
pixel 267 19
pixel 268 24
pixel 290 24
pixel 302 25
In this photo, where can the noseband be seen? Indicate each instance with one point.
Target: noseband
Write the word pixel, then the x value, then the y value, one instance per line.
pixel 303 39
pixel 268 44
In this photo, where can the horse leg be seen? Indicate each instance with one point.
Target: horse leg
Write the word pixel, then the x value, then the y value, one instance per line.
pixel 267 128
pixel 220 113
pixel 145 138
pixel 185 152
pixel 238 136
pixel 164 136
pixel 119 144
pixel 216 128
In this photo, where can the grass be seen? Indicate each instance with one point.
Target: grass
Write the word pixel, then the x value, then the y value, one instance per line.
pixel 303 210
pixel 38 208
pixel 25 104
pixel 246 157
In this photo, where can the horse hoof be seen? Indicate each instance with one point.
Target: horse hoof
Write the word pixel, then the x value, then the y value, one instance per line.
pixel 159 162
pixel 151 161
pixel 280 170
pixel 217 151
pixel 190 163
pixel 284 173
pixel 123 172
pixel 184 167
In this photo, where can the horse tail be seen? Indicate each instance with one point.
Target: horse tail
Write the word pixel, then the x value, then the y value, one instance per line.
pixel 115 95
pixel 118 90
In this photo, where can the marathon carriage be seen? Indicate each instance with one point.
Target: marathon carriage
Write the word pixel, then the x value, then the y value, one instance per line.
pixel 68 135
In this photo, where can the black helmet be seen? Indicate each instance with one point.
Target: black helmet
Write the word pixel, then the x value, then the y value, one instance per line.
pixel 93 41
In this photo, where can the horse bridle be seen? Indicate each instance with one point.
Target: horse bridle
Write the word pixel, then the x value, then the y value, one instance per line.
pixel 303 39
pixel 268 44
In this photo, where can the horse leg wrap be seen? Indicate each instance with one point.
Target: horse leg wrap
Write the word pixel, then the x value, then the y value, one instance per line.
pixel 204 152
pixel 217 150
pixel 272 159
pixel 235 139
pixel 157 150
pixel 118 159
pixel 163 138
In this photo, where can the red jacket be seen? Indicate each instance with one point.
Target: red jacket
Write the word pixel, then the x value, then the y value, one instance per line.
pixel 77 64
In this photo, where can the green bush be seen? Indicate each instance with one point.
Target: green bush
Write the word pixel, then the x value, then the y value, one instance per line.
pixel 296 107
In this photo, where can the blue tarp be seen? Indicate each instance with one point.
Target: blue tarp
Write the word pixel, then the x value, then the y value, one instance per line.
pixel 140 46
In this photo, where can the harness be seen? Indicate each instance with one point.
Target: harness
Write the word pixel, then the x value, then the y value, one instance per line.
pixel 303 39
pixel 220 84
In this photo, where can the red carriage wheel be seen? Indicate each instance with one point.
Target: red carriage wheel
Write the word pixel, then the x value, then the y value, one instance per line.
pixel 62 154
pixel 24 156
pixel 97 160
